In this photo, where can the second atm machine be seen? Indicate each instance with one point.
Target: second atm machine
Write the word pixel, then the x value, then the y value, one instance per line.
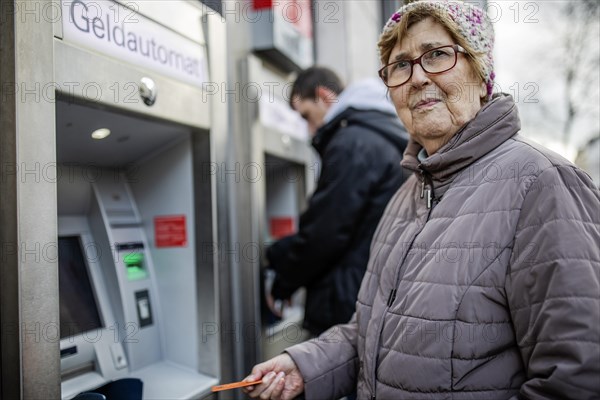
pixel 135 204
pixel 280 144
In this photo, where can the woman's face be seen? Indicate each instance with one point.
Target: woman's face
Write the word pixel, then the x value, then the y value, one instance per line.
pixel 434 107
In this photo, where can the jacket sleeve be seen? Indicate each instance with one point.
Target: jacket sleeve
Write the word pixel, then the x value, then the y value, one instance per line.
pixel 553 287
pixel 329 363
pixel 349 173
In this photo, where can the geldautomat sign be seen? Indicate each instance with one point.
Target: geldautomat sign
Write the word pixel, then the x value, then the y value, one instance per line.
pixel 112 29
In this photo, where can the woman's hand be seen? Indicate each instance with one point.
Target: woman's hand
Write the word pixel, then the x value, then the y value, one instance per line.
pixel 281 379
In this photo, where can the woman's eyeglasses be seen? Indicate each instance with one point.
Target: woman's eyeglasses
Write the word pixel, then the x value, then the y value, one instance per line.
pixel 434 61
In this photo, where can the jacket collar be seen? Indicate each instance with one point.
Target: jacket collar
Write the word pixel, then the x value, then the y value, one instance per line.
pixel 362 96
pixel 386 124
pixel 326 132
pixel 496 122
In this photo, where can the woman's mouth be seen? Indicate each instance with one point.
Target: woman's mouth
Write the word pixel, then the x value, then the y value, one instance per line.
pixel 427 103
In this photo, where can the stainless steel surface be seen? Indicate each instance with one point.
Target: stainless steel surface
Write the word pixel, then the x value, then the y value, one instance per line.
pixel 284 146
pixel 208 193
pixel 29 285
pixel 82 75
pixel 237 282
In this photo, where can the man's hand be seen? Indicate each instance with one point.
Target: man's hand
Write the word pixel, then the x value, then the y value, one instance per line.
pixel 276 306
pixel 281 379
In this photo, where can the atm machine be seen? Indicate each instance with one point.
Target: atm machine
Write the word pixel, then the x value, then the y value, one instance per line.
pixel 281 145
pixel 136 202
pixel 285 197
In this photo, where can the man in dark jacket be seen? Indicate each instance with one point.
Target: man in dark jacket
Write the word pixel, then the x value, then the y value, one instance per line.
pixel 360 140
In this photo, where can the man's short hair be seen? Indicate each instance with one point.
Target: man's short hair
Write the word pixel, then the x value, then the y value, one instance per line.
pixel 306 84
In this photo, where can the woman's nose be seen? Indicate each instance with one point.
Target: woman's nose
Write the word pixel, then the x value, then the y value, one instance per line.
pixel 419 76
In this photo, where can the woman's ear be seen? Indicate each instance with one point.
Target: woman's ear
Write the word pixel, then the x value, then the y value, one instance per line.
pixel 483 94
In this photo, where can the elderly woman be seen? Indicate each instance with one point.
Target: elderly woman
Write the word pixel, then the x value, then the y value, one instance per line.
pixel 483 278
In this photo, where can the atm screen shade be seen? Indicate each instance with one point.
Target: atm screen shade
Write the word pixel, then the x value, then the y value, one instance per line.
pixel 78 308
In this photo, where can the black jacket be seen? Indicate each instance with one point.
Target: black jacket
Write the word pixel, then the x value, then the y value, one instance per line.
pixel 360 154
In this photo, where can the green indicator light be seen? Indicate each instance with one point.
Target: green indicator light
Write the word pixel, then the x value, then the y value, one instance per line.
pixel 135 266
pixel 136 273
pixel 133 259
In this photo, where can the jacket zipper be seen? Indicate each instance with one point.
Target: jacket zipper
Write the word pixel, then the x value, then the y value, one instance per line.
pixel 392 296
pixel 426 192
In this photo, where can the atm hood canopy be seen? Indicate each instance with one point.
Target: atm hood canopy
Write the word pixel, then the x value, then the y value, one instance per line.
pixel 132 138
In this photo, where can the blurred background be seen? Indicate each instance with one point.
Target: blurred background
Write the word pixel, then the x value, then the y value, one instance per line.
pixel 547 58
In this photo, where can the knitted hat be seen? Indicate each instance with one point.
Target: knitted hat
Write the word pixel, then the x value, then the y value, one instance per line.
pixel 473 24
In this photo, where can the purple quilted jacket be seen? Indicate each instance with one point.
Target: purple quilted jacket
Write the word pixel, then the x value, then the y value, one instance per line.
pixel 482 283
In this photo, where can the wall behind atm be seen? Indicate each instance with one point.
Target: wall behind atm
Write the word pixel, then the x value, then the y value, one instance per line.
pixel 346 34
pixel 162 186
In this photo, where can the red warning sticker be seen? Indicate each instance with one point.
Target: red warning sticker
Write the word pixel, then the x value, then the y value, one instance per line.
pixel 281 226
pixel 169 231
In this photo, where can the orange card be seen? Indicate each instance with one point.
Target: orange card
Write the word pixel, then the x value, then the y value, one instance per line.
pixel 234 385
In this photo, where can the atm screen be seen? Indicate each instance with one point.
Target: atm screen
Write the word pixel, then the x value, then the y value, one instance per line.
pixel 78 308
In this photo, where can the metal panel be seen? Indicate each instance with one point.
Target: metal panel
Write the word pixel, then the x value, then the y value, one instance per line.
pixel 238 283
pixel 284 146
pixel 82 74
pixel 181 16
pixel 211 193
pixel 29 292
